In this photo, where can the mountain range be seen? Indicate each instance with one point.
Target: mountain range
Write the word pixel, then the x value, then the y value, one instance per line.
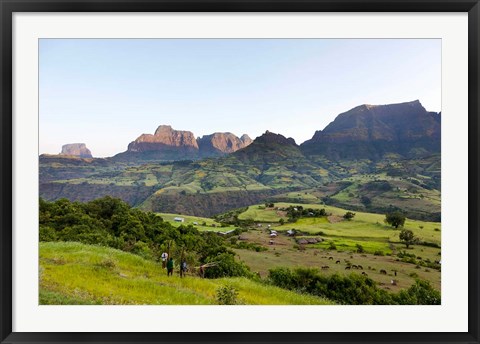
pixel 172 171
pixel 364 132
pixel 169 144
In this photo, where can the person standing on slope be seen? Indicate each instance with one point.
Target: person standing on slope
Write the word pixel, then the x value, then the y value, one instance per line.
pixel 164 259
pixel 170 267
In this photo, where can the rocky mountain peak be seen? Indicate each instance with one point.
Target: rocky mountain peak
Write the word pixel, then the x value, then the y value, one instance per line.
pixel 246 139
pixel 76 149
pixel 162 129
pixel 165 137
pixel 271 138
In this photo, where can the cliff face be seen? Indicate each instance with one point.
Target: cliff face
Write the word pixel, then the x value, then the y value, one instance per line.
pixel 76 149
pixel 222 143
pixel 369 131
pixel 164 137
pixel 170 144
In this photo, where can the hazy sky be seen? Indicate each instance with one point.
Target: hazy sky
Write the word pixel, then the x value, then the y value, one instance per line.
pixel 106 93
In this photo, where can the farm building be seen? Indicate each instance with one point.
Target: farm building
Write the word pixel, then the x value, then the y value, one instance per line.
pixel 227 232
pixel 179 219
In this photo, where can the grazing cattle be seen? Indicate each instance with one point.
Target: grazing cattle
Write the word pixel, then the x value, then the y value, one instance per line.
pixel 330 258
pixel 364 273
pixel 354 267
pixel 325 267
pixel 347 268
pixel 393 282
pixel 337 262
pixel 383 272
pixel 369 267
pixel 360 267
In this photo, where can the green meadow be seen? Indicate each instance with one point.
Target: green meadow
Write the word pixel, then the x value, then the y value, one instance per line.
pixel 74 273
pixel 201 223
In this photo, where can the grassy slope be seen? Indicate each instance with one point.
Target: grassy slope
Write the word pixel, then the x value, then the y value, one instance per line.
pixel 73 273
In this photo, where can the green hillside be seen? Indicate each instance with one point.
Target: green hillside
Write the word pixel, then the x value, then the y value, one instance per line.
pixel 74 273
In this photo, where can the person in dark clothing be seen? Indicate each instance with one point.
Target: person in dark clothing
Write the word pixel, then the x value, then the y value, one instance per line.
pixel 183 268
pixel 170 267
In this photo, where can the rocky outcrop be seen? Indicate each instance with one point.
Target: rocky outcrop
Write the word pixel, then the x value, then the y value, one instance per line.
pixel 165 136
pixel 76 149
pixel 221 143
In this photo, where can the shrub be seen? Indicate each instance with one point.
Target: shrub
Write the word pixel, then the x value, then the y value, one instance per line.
pixel 226 266
pixel 227 295
pixel 47 234
pixel 378 253
pixel 360 248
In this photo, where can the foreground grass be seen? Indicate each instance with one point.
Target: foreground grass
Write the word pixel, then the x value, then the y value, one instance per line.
pixel 74 273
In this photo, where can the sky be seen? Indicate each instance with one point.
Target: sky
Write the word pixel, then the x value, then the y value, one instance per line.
pixel 107 92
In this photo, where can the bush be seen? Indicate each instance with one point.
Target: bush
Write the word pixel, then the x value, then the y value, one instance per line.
pixel 227 295
pixel 226 266
pixel 378 253
pixel 353 289
pixel 47 234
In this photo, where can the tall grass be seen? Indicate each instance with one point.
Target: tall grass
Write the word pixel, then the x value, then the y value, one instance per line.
pixel 74 273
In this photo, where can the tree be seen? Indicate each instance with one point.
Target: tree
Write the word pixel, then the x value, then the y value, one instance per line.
pixel 407 237
pixel 395 219
pixel 348 215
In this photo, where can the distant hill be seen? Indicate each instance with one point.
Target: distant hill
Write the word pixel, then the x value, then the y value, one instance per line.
pixel 269 148
pixel 371 131
pixel 168 144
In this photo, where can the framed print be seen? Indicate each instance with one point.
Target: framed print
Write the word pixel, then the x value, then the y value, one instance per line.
pixel 239 171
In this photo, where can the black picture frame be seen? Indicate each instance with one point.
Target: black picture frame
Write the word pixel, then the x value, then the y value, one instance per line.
pixel 8 7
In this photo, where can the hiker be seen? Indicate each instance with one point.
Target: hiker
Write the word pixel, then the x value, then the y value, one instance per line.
pixel 164 259
pixel 183 268
pixel 170 267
